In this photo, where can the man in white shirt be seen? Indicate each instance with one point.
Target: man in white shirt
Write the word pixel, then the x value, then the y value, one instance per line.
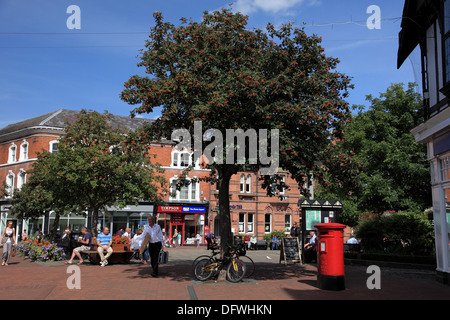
pixel 155 244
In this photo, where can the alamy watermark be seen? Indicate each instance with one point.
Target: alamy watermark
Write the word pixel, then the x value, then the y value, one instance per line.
pixel 374 21
pixel 74 280
pixel 74 20
pixel 374 281
pixel 235 142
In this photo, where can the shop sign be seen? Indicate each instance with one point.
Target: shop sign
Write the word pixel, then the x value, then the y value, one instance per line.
pixel 169 209
pixel 194 209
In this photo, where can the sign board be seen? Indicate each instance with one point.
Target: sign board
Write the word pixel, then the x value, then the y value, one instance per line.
pixel 313 217
pixel 181 209
pixel 177 218
pixel 290 250
pixel 194 209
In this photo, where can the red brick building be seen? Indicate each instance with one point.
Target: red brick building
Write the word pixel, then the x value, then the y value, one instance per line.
pixel 191 210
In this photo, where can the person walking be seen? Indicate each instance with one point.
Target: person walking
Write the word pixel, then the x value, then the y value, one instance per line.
pixel 175 238
pixel 155 243
pixel 8 240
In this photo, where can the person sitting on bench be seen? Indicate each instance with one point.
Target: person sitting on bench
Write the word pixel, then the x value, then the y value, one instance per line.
pixel 104 241
pixel 85 246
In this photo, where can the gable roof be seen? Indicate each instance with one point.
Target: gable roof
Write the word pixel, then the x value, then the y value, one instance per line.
pixel 56 122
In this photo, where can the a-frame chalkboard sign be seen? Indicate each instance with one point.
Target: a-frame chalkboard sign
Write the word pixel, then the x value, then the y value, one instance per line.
pixel 290 250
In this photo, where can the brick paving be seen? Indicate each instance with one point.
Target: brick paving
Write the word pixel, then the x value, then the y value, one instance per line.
pixel 27 280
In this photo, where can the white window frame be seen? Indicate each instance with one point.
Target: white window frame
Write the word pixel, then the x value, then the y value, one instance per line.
pixel 250 224
pixel 270 223
pixel 248 184
pixel 50 146
pixel 24 151
pixel 242 183
pixel 179 156
pixel 21 179
pixel 191 190
pixel 10 185
pixel 12 154
pixel 290 223
pixel 241 226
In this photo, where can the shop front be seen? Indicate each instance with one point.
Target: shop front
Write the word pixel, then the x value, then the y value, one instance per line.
pixel 184 220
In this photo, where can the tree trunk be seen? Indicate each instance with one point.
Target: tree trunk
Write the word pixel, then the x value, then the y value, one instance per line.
pixel 226 238
pixel 55 227
pixel 94 221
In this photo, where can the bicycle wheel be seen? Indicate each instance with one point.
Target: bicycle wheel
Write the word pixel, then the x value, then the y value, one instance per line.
pixel 235 270
pixel 249 266
pixel 203 256
pixel 204 269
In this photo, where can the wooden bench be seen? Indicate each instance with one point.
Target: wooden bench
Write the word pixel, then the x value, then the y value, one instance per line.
pixel 261 244
pixel 118 256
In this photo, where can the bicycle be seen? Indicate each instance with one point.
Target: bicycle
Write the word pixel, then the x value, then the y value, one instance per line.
pixel 248 262
pixel 240 254
pixel 206 268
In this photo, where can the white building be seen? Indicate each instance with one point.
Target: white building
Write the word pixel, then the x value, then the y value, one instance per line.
pixel 426 23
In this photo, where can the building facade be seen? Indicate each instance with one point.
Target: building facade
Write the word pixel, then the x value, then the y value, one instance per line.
pixel 191 210
pixel 427 24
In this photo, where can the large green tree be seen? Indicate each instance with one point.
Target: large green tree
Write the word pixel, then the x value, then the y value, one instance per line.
pixel 98 164
pixel 394 167
pixel 228 76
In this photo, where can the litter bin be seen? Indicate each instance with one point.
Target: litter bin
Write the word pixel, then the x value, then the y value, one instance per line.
pixel 330 256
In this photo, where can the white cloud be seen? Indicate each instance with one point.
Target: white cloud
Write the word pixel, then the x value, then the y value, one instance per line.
pixel 278 6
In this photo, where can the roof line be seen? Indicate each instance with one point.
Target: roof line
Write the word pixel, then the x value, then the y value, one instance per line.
pixel 51 117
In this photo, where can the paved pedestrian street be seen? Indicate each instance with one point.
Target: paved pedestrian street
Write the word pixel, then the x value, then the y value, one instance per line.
pixel 26 280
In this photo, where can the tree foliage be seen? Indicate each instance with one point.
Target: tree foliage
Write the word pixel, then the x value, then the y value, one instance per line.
pixel 229 77
pixel 395 173
pixel 97 165
pixel 402 233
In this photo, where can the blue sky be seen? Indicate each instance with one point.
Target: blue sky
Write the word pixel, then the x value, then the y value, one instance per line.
pixel 44 66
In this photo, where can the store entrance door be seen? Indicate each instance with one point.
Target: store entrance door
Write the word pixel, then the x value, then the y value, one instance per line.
pixel 180 230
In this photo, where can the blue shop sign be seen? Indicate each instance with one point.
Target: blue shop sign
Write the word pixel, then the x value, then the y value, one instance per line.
pixel 194 209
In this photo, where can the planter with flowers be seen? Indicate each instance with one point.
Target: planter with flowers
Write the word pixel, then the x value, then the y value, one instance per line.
pixel 120 243
pixel 40 251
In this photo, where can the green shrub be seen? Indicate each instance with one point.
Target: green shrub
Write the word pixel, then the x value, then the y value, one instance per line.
pixel 279 233
pixel 400 233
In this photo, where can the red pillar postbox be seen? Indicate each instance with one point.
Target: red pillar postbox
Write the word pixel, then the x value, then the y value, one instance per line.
pixel 330 256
